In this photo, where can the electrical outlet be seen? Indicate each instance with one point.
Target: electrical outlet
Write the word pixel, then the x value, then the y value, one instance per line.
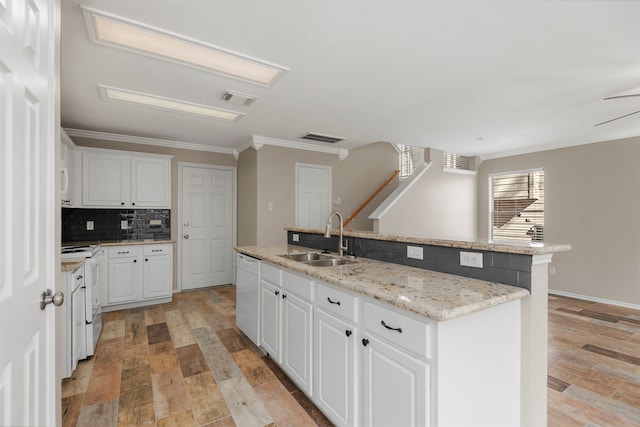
pixel 471 259
pixel 337 200
pixel 270 207
pixel 89 225
pixel 296 237
pixel 414 252
pixel 155 222
pixel 552 271
pixel 124 224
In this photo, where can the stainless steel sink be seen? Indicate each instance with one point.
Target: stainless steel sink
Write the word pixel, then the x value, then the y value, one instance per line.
pixel 317 259
pixel 331 262
pixel 306 256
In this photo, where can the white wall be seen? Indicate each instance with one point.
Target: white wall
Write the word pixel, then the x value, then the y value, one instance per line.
pixel 592 202
pixel 438 205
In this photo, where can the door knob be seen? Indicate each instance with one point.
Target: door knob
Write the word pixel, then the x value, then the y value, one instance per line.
pixel 186 236
pixel 48 297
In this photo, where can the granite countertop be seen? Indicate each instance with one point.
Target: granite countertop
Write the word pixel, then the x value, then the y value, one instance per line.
pixel 525 248
pixel 120 242
pixel 439 296
pixel 71 264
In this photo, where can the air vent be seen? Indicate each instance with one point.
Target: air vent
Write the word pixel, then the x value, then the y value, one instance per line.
pixel 322 138
pixel 237 98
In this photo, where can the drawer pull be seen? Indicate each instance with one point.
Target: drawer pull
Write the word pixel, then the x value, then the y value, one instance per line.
pixel 348 333
pixel 156 250
pixel 399 330
pixel 333 302
pixel 365 342
pixel 122 253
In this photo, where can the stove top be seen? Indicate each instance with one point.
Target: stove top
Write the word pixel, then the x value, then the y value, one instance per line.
pixel 84 251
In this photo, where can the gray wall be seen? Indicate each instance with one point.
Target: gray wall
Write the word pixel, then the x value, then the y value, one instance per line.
pixel 353 180
pixel 592 201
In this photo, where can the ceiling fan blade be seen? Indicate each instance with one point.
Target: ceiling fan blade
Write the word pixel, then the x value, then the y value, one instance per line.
pixel 617 118
pixel 622 96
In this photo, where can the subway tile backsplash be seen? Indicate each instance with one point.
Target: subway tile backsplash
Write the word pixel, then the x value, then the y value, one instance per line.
pixel 107 224
pixel 511 269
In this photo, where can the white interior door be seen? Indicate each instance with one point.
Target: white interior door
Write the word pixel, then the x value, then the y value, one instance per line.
pixel 313 195
pixel 207 225
pixel 28 198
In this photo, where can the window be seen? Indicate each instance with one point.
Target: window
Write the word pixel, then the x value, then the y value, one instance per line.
pixel 516 206
pixel 452 161
pixel 410 159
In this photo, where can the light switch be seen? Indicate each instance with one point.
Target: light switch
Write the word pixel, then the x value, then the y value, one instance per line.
pixel 270 207
pixel 89 225
pixel 124 224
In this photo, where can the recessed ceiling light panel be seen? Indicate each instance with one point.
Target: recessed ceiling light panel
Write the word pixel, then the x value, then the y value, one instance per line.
pixel 312 136
pixel 118 32
pixel 131 97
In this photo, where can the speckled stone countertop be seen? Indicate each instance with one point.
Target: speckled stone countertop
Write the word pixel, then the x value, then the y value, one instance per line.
pixel 120 242
pixel 71 264
pixel 526 248
pixel 439 296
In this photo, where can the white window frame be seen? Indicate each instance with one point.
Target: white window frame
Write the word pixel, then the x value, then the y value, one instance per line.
pixel 491 201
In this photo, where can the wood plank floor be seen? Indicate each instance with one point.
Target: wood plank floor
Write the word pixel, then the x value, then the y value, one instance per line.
pixel 186 364
pixel 182 364
pixel 594 364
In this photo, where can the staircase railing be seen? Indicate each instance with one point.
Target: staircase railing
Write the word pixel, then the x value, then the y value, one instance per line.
pixel 374 194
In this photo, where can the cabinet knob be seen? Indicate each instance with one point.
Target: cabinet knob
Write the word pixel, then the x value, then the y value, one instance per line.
pixel 133 203
pixel 365 342
pixel 186 236
pixel 122 203
pixel 277 292
pixel 146 259
pixel 135 260
pixel 284 296
pixel 348 333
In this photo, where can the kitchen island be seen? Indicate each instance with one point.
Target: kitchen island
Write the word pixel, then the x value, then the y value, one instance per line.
pixel 373 342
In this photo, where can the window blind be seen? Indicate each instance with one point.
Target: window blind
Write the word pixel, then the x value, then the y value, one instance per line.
pixel 452 161
pixel 516 208
pixel 410 158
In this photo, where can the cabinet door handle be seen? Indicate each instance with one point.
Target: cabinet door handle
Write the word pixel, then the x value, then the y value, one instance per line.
pixel 277 292
pixel 365 342
pixel 135 260
pixel 146 259
pixel 122 253
pixel 284 296
pixel 80 277
pixel 333 302
pixel 348 333
pixel 399 330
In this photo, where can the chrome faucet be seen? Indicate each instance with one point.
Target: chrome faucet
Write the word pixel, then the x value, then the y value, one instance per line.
pixel 327 232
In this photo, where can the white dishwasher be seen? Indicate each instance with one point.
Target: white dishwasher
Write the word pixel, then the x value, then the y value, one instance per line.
pixel 248 296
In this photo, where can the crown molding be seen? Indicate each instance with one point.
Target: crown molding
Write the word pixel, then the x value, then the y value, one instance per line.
pixel 554 146
pixel 258 141
pixel 65 138
pixel 105 136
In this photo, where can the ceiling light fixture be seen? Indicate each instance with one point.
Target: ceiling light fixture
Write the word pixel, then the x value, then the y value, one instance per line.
pixel 130 97
pixel 118 32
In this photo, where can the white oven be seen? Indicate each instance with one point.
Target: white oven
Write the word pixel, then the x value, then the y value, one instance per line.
pixel 94 272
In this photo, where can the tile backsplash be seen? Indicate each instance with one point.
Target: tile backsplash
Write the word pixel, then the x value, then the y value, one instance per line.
pixel 142 224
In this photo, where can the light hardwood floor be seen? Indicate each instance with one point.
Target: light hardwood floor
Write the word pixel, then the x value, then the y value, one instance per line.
pixel 186 364
pixel 594 364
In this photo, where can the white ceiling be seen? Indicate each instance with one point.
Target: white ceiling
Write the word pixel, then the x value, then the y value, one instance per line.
pixel 470 77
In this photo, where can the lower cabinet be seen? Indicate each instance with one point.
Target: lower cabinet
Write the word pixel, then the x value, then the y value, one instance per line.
pixel 139 275
pixel 367 363
pixel 396 386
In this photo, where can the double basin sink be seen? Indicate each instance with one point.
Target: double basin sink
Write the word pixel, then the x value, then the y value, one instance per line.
pixel 317 259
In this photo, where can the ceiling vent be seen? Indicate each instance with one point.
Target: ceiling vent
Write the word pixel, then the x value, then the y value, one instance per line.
pixel 322 138
pixel 237 98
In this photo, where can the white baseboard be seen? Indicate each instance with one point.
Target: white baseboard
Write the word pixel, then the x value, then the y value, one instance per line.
pixel 594 299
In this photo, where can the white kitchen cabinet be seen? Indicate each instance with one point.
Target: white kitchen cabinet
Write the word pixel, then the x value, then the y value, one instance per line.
pixel 270 308
pixel 335 374
pixel 125 274
pixel 139 275
pixel 117 178
pixel 157 271
pixel 396 386
pixel 297 335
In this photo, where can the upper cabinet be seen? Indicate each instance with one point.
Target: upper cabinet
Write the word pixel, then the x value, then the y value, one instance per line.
pixel 118 178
